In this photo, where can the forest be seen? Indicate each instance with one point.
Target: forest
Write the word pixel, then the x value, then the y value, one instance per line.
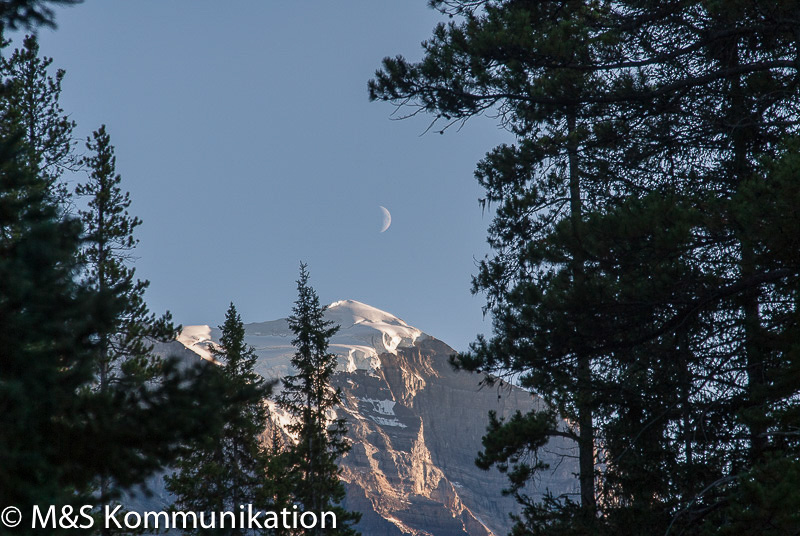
pixel 643 280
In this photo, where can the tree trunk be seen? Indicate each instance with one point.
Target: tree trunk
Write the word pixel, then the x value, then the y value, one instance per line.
pixel 584 364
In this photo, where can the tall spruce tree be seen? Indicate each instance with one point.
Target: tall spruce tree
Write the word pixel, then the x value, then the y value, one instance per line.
pixel 225 471
pixel 132 384
pixel 310 400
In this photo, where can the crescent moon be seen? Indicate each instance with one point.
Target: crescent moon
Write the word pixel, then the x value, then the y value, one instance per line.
pixel 387 219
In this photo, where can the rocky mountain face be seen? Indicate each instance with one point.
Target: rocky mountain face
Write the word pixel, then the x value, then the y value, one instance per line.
pixel 415 425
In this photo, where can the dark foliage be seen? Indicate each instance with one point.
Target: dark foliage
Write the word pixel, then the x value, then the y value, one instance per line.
pixel 643 280
pixel 29 13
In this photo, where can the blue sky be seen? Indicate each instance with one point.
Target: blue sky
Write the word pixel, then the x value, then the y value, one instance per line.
pixel 248 143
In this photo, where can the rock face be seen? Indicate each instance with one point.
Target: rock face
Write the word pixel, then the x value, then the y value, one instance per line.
pixel 415 425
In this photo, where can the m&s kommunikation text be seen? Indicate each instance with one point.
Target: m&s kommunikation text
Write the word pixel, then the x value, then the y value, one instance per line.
pixel 115 517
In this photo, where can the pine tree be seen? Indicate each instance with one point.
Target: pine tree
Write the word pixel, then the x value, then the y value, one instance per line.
pixel 221 472
pixel 125 361
pixel 724 328
pixel 108 250
pixel 47 320
pixel 32 106
pixel 310 399
pixel 657 268
pixel 536 63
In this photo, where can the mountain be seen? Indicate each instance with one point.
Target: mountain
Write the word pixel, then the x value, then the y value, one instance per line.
pixel 415 425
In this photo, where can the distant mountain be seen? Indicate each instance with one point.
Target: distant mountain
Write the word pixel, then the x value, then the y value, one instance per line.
pixel 416 425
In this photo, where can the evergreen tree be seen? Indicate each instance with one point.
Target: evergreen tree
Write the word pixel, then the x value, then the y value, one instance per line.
pixel 125 361
pixel 60 433
pixel 221 472
pixel 538 64
pixel 47 317
pixel 126 366
pixel 717 330
pixel 49 331
pixel 126 354
pixel 31 105
pixel 310 399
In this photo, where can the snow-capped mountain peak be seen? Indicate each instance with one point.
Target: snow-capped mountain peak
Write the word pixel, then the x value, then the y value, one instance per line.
pixel 355 312
pixel 365 333
pixel 363 324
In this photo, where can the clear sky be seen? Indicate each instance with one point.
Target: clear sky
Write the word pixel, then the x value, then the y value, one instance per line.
pixel 245 136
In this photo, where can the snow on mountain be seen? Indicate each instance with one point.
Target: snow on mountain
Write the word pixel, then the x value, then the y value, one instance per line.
pixel 365 333
pixel 196 339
